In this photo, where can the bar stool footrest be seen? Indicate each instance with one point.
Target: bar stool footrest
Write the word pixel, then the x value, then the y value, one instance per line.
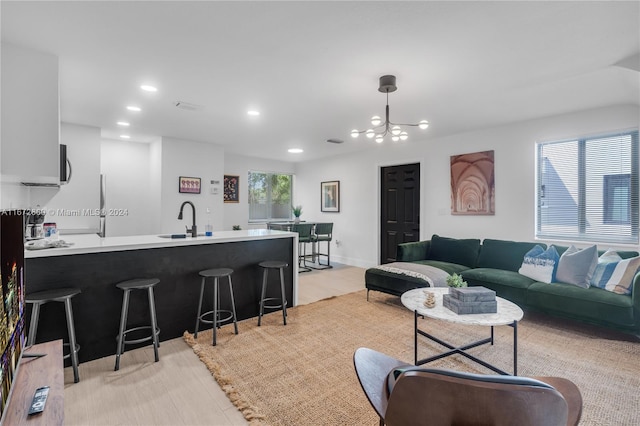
pixel 142 339
pixel 220 320
pixel 67 356
pixel 273 306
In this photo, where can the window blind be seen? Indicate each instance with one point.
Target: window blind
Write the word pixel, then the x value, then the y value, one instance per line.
pixel 587 189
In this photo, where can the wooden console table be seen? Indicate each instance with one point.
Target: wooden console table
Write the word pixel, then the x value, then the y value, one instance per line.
pixel 32 374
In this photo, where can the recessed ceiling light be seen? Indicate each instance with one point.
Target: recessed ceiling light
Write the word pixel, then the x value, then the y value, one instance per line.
pixel 253 113
pixel 125 136
pixel 122 123
pixel 134 108
pixel 295 150
pixel 148 88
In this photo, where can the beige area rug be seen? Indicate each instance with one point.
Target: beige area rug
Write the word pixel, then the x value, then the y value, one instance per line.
pixel 302 373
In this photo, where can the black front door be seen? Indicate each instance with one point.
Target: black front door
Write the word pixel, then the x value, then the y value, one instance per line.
pixel 400 207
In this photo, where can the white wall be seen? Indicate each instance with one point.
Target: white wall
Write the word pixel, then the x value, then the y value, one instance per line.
pixel 240 165
pixel 155 184
pixel 356 227
pixel 193 159
pixel 142 183
pixel 131 198
pixel 13 195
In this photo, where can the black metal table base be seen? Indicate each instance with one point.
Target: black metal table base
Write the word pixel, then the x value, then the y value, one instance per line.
pixel 462 350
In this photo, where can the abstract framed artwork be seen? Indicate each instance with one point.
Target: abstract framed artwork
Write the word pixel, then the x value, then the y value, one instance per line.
pixel 231 189
pixel 189 185
pixel 473 184
pixel 330 196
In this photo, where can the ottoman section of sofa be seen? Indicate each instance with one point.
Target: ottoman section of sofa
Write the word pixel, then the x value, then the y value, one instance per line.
pixel 396 284
pixel 391 283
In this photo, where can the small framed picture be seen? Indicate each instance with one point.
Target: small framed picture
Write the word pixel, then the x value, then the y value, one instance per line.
pixel 330 196
pixel 231 189
pixel 189 185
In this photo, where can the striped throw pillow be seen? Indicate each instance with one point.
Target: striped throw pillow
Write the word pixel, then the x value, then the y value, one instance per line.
pixel 607 263
pixel 618 276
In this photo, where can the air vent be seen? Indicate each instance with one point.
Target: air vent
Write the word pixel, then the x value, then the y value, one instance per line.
pixel 332 140
pixel 187 106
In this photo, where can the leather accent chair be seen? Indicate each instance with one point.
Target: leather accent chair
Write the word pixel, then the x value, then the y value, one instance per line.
pixel 406 395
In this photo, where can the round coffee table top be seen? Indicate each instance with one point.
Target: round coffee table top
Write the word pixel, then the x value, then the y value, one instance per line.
pixel 507 312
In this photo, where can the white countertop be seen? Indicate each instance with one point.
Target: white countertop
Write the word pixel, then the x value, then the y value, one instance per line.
pixel 83 244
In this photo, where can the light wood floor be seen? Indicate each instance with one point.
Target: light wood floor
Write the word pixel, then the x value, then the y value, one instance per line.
pixel 178 390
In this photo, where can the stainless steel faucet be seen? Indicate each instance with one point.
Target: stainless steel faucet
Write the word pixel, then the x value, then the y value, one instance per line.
pixel 194 229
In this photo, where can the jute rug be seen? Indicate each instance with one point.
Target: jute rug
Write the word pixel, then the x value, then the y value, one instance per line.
pixel 302 373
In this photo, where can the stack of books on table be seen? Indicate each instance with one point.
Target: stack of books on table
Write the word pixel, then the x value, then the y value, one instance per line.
pixel 470 300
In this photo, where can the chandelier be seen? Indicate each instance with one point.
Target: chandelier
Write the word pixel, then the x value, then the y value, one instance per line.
pixel 381 128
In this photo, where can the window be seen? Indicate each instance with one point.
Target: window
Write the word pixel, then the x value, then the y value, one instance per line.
pixel 270 196
pixel 617 203
pixel 587 189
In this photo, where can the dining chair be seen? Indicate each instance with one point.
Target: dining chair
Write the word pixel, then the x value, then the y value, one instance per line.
pixel 323 233
pixel 304 237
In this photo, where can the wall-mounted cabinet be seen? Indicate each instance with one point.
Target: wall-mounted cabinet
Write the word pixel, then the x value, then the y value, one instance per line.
pixel 30 116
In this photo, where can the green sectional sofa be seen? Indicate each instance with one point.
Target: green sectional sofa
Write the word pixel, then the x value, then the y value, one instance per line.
pixel 495 263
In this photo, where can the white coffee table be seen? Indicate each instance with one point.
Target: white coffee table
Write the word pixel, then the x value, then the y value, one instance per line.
pixel 508 313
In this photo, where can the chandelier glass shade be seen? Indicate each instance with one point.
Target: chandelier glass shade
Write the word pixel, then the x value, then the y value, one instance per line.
pixel 382 128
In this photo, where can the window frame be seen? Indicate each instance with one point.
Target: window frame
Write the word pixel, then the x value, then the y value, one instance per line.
pixel 269 195
pixel 583 185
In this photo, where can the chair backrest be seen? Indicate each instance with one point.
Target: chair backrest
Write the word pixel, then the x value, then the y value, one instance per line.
pixel 303 230
pixel 324 229
pixel 442 397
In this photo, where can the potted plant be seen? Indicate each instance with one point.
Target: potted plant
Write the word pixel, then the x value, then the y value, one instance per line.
pixel 456 280
pixel 297 211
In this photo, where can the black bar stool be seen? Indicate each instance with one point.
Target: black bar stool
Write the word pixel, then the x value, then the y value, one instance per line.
pixel 63 295
pixel 216 274
pixel 267 265
pixel 127 286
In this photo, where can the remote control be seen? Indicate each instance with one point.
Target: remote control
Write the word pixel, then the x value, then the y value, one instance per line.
pixel 39 399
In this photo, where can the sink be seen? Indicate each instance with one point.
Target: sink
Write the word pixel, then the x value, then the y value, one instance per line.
pixel 178 236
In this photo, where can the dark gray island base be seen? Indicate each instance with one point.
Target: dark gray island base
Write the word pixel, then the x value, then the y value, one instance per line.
pixel 97 309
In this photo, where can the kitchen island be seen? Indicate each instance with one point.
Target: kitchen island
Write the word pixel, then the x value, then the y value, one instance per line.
pixel 95 265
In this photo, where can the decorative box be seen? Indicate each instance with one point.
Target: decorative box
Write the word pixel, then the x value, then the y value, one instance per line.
pixel 464 308
pixel 472 294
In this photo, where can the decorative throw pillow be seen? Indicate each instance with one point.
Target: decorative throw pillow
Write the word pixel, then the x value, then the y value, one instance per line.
pixel 540 264
pixel 607 263
pixel 577 266
pixel 622 277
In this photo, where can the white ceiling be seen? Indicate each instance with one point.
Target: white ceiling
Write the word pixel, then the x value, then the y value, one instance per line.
pixel 312 68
